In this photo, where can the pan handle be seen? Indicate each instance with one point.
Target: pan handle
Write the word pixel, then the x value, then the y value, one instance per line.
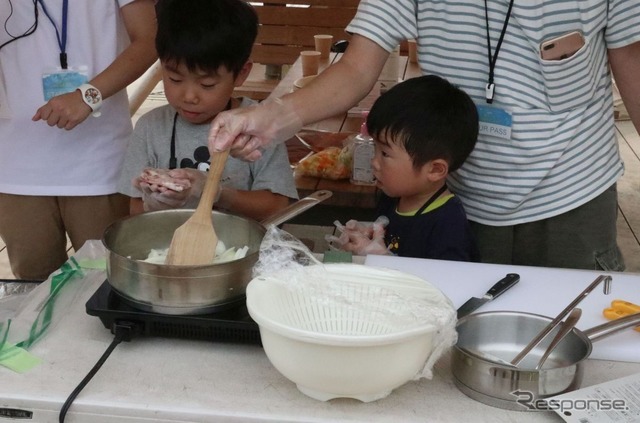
pixel 556 321
pixel 602 331
pixel 297 208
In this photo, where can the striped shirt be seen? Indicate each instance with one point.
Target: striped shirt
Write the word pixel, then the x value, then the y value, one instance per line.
pixel 563 150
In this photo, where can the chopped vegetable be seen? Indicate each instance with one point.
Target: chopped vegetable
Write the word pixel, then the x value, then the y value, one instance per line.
pixel 328 163
pixel 223 254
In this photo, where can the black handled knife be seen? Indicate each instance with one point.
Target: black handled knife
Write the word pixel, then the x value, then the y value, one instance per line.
pixel 496 290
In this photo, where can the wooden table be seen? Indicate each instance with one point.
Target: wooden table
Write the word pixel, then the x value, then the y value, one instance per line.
pixel 352 201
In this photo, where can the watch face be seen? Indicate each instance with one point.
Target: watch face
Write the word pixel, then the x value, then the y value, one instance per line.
pixel 92 95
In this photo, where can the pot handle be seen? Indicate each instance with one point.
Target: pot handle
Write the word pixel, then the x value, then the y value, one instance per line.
pixel 606 280
pixel 602 331
pixel 297 208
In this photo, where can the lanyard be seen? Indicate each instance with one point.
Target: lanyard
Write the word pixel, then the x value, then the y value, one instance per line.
pixel 62 39
pixel 173 160
pixel 431 199
pixel 493 58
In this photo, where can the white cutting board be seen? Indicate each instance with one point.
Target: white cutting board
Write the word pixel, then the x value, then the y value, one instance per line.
pixel 545 291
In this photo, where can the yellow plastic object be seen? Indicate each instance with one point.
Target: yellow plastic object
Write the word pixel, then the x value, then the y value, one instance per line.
pixel 621 308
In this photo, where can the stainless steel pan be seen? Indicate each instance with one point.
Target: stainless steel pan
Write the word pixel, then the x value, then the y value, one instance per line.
pixel 186 289
pixel 484 339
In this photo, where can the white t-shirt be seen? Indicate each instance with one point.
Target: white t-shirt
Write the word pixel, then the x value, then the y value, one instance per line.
pixel 36 159
pixel 563 150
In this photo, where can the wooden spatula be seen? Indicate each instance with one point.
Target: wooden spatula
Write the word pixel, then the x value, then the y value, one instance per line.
pixel 194 242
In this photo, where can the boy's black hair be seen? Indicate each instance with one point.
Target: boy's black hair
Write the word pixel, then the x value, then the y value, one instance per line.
pixel 430 117
pixel 206 34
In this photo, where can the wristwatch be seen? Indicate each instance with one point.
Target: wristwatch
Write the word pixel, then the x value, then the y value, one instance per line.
pixel 92 97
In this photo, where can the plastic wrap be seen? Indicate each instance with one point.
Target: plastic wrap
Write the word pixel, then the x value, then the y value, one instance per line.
pixel 12 294
pixel 279 250
pixel 8 288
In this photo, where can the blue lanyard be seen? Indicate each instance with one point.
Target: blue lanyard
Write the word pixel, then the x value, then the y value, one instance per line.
pixel 62 40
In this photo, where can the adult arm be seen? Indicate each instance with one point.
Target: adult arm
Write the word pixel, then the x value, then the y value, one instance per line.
pixel 337 88
pixel 68 110
pixel 625 65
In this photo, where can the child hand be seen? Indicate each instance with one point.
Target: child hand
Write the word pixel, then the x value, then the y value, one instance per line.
pixel 196 179
pixel 159 196
pixel 361 238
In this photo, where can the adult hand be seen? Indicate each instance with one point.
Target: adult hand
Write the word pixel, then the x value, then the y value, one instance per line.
pixel 245 130
pixel 65 111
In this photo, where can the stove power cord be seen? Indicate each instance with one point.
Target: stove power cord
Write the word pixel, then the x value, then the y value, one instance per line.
pixel 123 331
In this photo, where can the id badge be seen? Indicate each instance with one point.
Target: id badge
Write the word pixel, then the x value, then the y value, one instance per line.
pixel 62 81
pixel 494 121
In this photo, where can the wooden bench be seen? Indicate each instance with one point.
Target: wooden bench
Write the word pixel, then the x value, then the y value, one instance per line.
pixel 286 28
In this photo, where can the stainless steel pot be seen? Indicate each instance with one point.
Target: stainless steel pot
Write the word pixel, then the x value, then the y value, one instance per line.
pixel 186 289
pixel 484 339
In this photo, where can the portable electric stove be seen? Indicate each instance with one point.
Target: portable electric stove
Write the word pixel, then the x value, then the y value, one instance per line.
pixel 229 325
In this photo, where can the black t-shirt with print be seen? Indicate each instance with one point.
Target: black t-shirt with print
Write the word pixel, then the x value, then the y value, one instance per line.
pixel 442 233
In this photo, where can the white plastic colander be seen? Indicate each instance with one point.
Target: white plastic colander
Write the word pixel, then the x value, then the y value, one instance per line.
pixel 347 330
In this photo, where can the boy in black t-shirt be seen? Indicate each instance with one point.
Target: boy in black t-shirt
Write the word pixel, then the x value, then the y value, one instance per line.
pixel 424 128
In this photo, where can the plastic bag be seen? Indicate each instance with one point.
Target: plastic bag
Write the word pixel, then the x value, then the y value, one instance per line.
pixel 329 163
pixel 47 304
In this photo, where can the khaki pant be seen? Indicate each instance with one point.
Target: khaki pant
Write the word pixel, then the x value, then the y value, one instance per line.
pixel 35 228
pixel 583 238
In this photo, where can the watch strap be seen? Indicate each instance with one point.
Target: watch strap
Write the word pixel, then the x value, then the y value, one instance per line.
pixel 92 97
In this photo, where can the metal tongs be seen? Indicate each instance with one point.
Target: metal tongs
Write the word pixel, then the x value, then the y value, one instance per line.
pixel 565 328
pixel 535 341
